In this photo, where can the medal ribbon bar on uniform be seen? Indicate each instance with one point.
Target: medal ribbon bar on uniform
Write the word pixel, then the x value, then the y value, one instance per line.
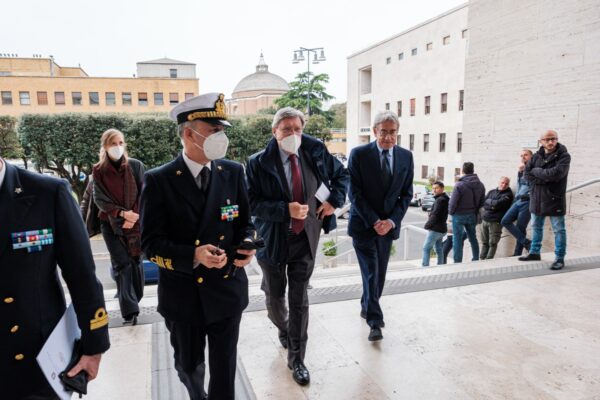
pixel 32 240
pixel 228 213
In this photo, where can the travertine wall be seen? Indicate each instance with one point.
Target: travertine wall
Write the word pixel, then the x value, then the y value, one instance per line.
pixel 534 65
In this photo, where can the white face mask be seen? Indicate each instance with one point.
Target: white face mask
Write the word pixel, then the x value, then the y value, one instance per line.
pixel 290 144
pixel 215 145
pixel 116 152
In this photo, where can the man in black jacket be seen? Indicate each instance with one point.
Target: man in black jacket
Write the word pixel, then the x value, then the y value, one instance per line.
pixel 294 186
pixel 496 203
pixel 547 173
pixel 436 225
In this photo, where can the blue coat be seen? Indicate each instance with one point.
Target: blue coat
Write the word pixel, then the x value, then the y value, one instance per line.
pixel 177 217
pixel 31 295
pixel 269 198
pixel 369 202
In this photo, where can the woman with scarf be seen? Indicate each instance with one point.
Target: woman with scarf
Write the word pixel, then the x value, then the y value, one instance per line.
pixel 117 187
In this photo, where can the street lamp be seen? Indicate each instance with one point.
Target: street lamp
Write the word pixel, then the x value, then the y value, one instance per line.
pixel 299 57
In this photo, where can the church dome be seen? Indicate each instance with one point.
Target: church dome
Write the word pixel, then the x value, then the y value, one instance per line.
pixel 262 80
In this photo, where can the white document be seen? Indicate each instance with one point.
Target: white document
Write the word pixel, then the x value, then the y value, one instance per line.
pixel 322 193
pixel 56 352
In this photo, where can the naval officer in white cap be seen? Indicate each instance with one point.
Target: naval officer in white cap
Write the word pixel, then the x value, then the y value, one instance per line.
pixel 195 213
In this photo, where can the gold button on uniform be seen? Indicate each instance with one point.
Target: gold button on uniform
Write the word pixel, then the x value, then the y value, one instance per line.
pixel 222 237
pixel 9 300
pixel 225 276
pixel 19 357
pixel 197 242
pixel 200 279
pixel 14 329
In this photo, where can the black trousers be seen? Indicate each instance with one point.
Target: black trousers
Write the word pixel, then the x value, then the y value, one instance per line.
pixel 189 342
pixel 127 270
pixel 297 270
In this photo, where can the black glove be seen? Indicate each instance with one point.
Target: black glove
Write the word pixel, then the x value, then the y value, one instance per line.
pixel 253 242
pixel 77 383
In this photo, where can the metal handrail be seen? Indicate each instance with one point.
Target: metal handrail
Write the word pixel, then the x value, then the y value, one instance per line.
pixel 583 184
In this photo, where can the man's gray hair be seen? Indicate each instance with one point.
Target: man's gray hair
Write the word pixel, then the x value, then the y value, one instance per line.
pixel 287 112
pixel 385 116
pixel 182 126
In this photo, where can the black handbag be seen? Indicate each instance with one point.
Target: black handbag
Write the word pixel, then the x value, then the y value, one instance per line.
pixel 77 383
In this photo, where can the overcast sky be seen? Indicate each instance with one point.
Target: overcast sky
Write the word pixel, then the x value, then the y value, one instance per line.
pixel 224 38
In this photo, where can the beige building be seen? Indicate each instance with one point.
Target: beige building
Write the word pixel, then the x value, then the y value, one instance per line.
pixel 256 91
pixel 337 144
pixel 40 85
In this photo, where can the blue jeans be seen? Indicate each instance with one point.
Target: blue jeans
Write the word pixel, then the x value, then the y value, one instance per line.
pixel 560 234
pixel 460 223
pixel 519 212
pixel 433 239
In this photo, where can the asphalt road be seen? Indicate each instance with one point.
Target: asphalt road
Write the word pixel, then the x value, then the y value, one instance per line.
pixel 414 216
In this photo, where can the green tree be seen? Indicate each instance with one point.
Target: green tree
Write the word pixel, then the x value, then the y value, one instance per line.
pixel 318 126
pixel 248 136
pixel 9 142
pixel 304 84
pixel 339 115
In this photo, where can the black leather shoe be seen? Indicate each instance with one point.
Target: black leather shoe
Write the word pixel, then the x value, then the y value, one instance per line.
pixel 558 264
pixel 527 244
pixel 375 334
pixel 530 257
pixel 363 314
pixel 283 339
pixel 300 373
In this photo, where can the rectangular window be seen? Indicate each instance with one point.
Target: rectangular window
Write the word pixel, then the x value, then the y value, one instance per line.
pixel 111 99
pixel 387 106
pixel 399 140
pixel 444 102
pixel 429 46
pixel 6 98
pixel 440 173
pixel 158 99
pixel 189 95
pixel 461 100
pixel 142 98
pixel 413 51
pixel 446 40
pixel 424 169
pixel 24 98
pixel 411 142
pixel 413 105
pixel 126 97
pixel 388 60
pixel 400 56
pixel 426 142
pixel 464 33
pixel 94 99
pixel 399 108
pixel 76 97
pixel 459 142
pixel 173 73
pixel 59 98
pixel 42 98
pixel 442 142
pixel 173 98
pixel 456 172
pixel 427 104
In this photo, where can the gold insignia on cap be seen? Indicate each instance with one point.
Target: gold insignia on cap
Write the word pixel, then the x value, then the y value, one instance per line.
pixel 178 172
pixel 219 111
pixel 18 190
pixel 100 319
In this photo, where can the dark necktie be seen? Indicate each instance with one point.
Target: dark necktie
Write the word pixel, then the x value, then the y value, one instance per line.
pixel 385 169
pixel 297 224
pixel 204 176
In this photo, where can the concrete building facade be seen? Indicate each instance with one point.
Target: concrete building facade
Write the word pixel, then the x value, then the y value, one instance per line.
pixel 535 65
pixel 256 91
pixel 419 74
pixel 39 85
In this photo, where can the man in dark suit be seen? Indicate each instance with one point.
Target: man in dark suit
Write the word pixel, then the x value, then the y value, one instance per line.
pixel 294 186
pixel 381 177
pixel 195 214
pixel 40 227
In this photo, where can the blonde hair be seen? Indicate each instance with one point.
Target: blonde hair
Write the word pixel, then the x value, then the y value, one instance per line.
pixel 105 139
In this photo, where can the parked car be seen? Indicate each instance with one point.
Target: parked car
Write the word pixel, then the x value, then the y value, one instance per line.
pixel 427 202
pixel 150 272
pixel 418 193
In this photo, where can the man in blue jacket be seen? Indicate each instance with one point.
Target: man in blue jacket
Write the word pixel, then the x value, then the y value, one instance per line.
pixel 381 177
pixel 294 186
pixel 467 198
pixel 40 228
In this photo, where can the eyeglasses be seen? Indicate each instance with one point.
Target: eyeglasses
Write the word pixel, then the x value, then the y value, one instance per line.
pixel 289 131
pixel 388 134
pixel 550 139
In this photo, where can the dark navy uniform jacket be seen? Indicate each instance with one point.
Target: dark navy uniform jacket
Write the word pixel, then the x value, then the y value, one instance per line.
pixel 176 218
pixel 31 295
